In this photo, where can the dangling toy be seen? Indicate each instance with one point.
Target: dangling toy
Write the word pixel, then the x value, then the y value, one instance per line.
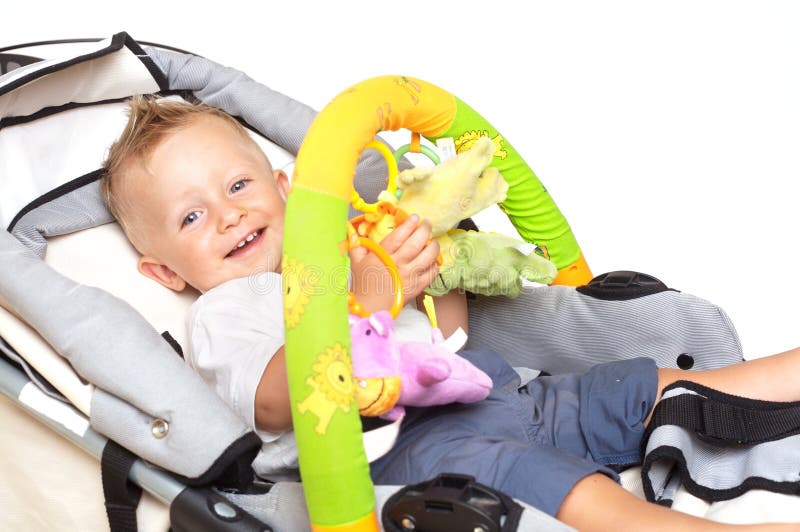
pixel 408 373
pixel 390 374
pixel 445 194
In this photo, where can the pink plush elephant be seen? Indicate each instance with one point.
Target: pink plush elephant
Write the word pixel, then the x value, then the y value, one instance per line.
pixel 429 373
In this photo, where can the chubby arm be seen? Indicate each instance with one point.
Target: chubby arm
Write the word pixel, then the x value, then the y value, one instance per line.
pixel 451 311
pixel 273 410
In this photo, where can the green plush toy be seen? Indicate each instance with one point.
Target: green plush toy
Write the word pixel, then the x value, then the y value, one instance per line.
pixel 488 264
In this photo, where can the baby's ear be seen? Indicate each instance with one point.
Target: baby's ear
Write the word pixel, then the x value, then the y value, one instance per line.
pixel 282 182
pixel 160 273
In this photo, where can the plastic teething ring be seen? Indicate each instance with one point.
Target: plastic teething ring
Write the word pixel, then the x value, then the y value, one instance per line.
pixel 424 150
pixel 397 283
pixel 391 164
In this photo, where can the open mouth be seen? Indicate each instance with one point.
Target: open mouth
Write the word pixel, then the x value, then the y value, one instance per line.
pixel 245 244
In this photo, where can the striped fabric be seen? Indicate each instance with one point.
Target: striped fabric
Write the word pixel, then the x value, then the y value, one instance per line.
pixel 558 330
pixel 674 454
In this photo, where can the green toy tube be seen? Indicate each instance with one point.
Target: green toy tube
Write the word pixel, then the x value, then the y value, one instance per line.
pixel 528 205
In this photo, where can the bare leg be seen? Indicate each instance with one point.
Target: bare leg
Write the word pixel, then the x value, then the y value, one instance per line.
pixel 599 503
pixel 772 378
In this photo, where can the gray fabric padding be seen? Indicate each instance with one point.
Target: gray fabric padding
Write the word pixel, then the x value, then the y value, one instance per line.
pixel 116 349
pixel 660 478
pixel 113 346
pixel 281 119
pixel 671 487
pixel 723 468
pixel 284 509
pixel 80 209
pixel 559 330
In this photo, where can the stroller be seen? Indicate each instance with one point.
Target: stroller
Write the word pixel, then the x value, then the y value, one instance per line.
pixel 92 351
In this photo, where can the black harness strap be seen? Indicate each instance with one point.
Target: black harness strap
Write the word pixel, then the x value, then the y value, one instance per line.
pixel 122 496
pixel 724 419
pixel 173 343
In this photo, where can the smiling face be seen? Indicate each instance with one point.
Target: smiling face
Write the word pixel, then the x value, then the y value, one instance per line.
pixel 209 207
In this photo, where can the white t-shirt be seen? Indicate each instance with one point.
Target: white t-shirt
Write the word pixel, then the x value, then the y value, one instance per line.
pixel 234 330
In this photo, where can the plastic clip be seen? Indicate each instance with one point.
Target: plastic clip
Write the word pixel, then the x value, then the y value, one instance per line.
pixel 450 502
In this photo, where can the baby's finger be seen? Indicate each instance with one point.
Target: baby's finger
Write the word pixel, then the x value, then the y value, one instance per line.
pixel 415 243
pixel 394 240
pixel 421 279
pixel 420 272
pixel 430 275
pixel 427 255
pixel 358 253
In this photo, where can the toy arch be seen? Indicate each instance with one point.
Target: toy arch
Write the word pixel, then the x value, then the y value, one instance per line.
pixel 335 471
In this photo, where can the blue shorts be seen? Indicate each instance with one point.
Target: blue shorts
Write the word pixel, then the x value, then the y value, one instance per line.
pixel 533 442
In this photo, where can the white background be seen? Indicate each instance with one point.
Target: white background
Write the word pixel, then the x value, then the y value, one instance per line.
pixel 667 132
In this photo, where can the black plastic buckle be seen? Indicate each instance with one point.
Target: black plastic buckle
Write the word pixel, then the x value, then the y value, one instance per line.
pixel 732 431
pixel 622 286
pixel 450 502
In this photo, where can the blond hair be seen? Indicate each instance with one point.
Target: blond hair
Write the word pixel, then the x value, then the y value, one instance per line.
pixel 150 122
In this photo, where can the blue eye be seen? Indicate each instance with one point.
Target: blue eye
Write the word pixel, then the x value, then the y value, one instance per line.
pixel 191 217
pixel 239 185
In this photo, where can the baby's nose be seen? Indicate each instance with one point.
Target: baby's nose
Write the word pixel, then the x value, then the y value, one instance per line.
pixel 232 216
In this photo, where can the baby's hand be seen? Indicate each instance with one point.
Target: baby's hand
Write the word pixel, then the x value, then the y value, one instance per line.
pixel 414 254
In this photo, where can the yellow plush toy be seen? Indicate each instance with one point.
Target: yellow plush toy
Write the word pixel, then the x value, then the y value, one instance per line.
pixel 454 190
pixel 445 194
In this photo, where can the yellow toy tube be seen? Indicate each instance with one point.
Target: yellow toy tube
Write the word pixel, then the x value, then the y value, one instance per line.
pixel 333 465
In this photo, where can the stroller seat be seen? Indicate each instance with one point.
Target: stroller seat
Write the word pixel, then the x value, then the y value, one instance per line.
pixel 95 387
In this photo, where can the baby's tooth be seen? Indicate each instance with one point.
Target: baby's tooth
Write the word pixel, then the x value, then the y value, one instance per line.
pixel 250 238
pixel 240 244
